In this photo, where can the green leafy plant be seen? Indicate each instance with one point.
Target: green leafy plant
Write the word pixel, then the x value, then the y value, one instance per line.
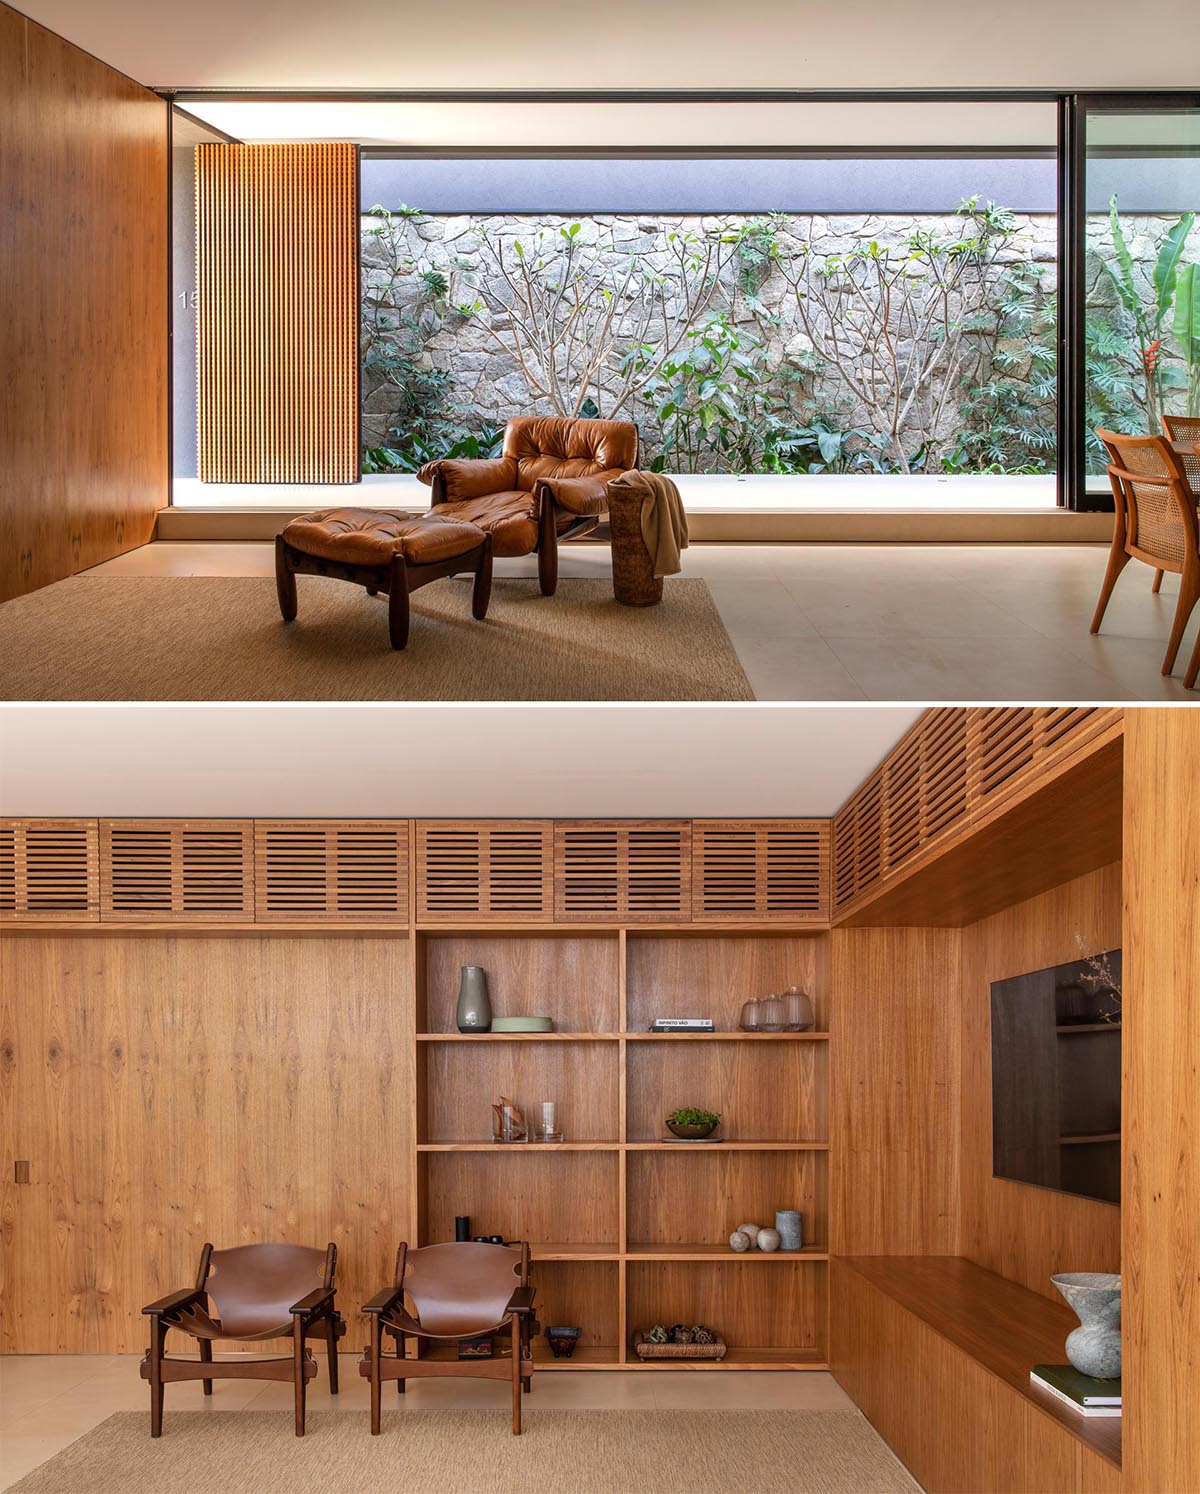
pixel 1186 327
pixel 688 1115
pixel 411 453
pixel 1149 317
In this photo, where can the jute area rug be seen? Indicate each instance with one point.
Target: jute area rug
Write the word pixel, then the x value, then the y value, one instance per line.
pixel 221 638
pixel 474 1452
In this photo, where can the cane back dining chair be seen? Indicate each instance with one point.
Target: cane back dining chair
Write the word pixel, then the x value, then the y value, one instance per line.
pixel 458 1290
pixel 248 1293
pixel 1155 522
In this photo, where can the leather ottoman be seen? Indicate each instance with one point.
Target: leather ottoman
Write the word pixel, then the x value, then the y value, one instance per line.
pixel 384 551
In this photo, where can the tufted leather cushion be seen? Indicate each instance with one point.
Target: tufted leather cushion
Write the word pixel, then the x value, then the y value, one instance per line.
pixel 471 477
pixel 510 518
pixel 553 446
pixel 371 536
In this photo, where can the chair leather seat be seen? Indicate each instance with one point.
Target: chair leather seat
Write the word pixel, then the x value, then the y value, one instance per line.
pixel 371 536
pixel 509 517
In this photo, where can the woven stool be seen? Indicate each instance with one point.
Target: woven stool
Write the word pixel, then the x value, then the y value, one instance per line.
pixel 388 552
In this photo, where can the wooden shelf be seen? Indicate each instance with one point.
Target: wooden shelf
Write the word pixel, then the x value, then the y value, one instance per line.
pixel 616 1037
pixel 542 1148
pixel 709 1147
pixel 518 1037
pixel 1068 1029
pixel 726 1037
pixel 741 1358
pixel 1004 1327
pixel 720 1254
pixel 622 1146
pixel 1099 1136
pixel 574 1252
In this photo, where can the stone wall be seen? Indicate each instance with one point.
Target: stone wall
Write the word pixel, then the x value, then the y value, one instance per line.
pixel 419 270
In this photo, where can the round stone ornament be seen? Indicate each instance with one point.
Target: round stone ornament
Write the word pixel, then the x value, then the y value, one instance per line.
pixel 768 1239
pixel 739 1241
pixel 750 1231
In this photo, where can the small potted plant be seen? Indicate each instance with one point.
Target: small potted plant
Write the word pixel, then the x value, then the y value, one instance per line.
pixel 690 1124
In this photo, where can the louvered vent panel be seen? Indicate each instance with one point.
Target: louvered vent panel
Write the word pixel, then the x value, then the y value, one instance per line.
pixel 199 871
pixel 902 776
pixel 1068 725
pixel 760 871
pixel 331 871
pixel 49 871
pixel 944 782
pixel 844 886
pixel 500 871
pixel 1004 748
pixel 622 871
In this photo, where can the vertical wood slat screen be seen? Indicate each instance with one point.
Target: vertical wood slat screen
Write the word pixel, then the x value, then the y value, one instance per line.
pixel 277 321
pixel 954 765
pixel 752 871
pixel 49 870
pixel 331 871
pixel 498 871
pixel 622 870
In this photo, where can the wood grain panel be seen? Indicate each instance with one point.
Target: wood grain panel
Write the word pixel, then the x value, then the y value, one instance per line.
pixel 622 871
pixel 485 871
pixel 83 336
pixel 699 1197
pixel 958 1411
pixel 712 976
pixel 49 871
pixel 169 1091
pixel 1160 1181
pixel 524 1195
pixel 760 871
pixel 1022 1232
pixel 582 1294
pixel 895 1053
pixel 176 871
pixel 572 980
pixel 331 871
pixel 762 1091
pixel 277 320
pixel 788 1311
pixel 463 1080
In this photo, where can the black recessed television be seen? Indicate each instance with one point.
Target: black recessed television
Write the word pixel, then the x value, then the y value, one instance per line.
pixel 1056 1077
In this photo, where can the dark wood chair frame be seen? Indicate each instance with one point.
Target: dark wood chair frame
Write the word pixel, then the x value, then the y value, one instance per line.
pixel 314 1316
pixel 387 1314
pixel 397 581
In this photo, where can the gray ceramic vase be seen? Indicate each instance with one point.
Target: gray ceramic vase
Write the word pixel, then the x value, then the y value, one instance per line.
pixel 789 1223
pixel 1094 1348
pixel 474 1013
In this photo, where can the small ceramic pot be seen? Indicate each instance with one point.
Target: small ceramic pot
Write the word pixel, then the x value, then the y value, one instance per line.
pixel 474 1011
pixel 790 1224
pixel 1094 1348
pixel 692 1133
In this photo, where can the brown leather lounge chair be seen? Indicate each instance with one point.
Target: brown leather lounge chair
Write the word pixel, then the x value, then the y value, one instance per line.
pixel 549 484
pixel 258 1291
pixel 457 1290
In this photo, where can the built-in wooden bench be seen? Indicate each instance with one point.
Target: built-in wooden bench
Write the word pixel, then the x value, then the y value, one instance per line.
pixel 937 1352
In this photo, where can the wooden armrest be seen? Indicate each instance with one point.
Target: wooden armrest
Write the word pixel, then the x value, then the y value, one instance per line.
pixel 173 1301
pixel 320 1297
pixel 384 1301
pixel 521 1300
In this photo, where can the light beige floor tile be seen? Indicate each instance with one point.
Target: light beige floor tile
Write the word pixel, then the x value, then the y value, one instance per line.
pixel 762 608
pixel 796 669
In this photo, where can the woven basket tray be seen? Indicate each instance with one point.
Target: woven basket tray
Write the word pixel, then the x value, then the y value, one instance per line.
pixel 647 1350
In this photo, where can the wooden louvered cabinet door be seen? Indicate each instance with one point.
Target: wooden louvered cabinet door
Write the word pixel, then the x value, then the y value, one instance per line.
pixel 485 871
pixel 331 871
pixel 622 871
pixel 49 871
pixel 177 871
pixel 760 871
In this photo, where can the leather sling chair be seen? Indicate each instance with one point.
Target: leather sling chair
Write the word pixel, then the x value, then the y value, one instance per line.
pixel 457 1290
pixel 550 483
pixel 258 1292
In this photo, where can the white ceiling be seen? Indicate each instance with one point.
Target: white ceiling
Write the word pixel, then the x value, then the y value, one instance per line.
pixel 429 761
pixel 635 44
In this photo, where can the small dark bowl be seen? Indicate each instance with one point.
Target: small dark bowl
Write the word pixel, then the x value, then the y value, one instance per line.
pixel 562 1341
pixel 692 1133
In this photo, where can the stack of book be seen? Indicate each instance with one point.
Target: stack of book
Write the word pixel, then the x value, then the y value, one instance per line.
pixel 682 1024
pixel 1083 1394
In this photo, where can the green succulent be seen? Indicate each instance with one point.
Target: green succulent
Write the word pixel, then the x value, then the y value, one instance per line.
pixel 688 1115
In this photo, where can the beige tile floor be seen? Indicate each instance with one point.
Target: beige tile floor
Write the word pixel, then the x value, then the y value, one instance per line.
pixel 881 622
pixel 47 1401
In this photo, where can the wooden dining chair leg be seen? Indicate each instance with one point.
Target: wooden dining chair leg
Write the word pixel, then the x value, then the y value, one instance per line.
pixel 1193 668
pixel 298 1372
pixel 1118 559
pixel 1189 594
pixel 375 1349
pixel 331 1351
pixel 206 1358
pixel 517 1336
pixel 398 604
pixel 285 581
pixel 1158 575
pixel 158 1335
pixel 481 593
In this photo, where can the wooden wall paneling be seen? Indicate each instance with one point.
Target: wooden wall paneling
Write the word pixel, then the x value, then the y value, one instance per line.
pixel 1161 1100
pixel 83 338
pixel 894 1027
pixel 583 1294
pixel 768 1091
pixel 485 871
pixel 695 1197
pixel 760 871
pixel 170 1090
pixel 1022 1232
pixel 572 979
pixel 536 1195
pixel 49 871
pixel 711 976
pixel 954 1423
pixel 622 871
pixel 463 1080
pixel 783 1315
pixel 277 321
pixel 330 871
pixel 176 871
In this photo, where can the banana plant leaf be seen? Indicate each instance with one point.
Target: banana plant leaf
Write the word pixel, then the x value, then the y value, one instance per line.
pixel 1187 313
pixel 1167 264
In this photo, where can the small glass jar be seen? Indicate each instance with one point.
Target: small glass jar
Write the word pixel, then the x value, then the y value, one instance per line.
pixel 798 1013
pixel 508 1124
pixel 748 1019
pixel 771 1014
pixel 549 1126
